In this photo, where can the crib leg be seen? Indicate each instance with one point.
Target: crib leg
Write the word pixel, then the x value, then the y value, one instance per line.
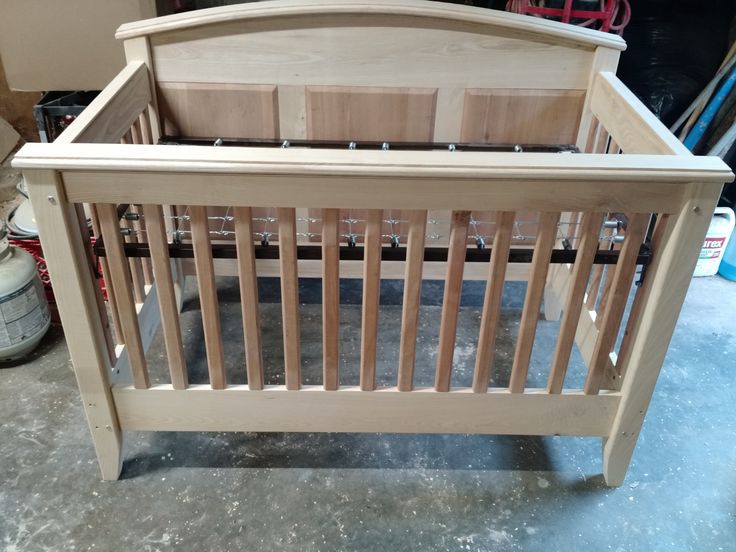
pixel 664 288
pixel 75 289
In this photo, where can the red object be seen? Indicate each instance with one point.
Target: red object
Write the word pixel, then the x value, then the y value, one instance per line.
pixel 602 19
pixel 34 248
pixel 567 13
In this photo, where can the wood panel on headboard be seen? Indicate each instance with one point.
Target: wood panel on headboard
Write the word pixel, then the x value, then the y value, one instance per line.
pixel 522 116
pixel 218 110
pixel 369 113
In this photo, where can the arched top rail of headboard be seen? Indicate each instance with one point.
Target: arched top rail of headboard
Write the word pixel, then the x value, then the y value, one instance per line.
pixel 370 70
pixel 424 13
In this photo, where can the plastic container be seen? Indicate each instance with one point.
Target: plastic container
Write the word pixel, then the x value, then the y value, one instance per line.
pixel 728 263
pixel 24 312
pixel 715 242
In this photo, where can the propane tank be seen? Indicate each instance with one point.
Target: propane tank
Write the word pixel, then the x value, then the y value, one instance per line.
pixel 715 242
pixel 24 312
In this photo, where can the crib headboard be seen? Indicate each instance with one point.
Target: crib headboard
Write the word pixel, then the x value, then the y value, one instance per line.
pixel 358 70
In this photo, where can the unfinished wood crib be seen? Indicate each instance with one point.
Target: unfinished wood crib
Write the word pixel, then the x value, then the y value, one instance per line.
pixel 371 140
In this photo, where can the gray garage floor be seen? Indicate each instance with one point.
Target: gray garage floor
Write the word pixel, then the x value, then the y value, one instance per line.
pixel 194 491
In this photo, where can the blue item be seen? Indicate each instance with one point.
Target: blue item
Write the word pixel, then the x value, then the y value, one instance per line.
pixel 727 269
pixel 706 118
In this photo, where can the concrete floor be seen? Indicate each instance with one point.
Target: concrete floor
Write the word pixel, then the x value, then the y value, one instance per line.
pixel 308 492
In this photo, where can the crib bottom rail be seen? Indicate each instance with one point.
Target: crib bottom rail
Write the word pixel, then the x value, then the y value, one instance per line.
pixel 385 410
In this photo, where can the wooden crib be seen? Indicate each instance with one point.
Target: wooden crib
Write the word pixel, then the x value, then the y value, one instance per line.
pixel 407 141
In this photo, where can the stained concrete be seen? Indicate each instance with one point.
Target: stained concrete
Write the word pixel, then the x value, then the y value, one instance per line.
pixel 308 492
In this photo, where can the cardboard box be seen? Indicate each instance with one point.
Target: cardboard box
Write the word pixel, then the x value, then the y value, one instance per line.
pixel 65 44
pixel 8 139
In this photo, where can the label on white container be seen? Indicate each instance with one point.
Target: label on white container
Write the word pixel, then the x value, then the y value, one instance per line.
pixel 23 313
pixel 712 248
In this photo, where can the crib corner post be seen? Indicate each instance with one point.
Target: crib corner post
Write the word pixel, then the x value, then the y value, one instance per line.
pixel 75 291
pixel 664 289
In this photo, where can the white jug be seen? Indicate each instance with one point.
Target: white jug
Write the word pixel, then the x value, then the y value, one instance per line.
pixel 715 242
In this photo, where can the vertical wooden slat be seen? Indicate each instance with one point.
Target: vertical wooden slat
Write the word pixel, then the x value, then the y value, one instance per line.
pixel 135 132
pixel 136 268
pixel 412 298
pixel 330 298
pixel 249 296
pixel 199 225
pixel 121 279
pixel 159 247
pixel 144 123
pixel 290 297
pixel 589 231
pixel 139 227
pixel 597 275
pixel 91 263
pixel 612 316
pixel 492 301
pixel 371 297
pixel 112 300
pixel 594 287
pixel 601 145
pixel 592 135
pixel 576 223
pixel 109 288
pixel 637 306
pixel 613 147
pixel 451 299
pixel 546 236
pixel 606 287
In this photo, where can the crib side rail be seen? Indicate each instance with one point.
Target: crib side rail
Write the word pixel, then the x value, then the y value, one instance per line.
pixel 109 175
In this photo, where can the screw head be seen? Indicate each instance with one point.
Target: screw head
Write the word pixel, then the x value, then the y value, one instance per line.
pixel 52 200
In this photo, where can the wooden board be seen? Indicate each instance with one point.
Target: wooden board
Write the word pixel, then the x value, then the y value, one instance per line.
pixel 533 300
pixel 219 110
pixel 522 116
pixel 121 279
pixel 390 270
pixel 371 299
pixel 412 299
pixel 168 304
pixel 422 14
pixel 8 138
pixel 249 297
pixel 343 50
pixel 350 409
pixel 634 128
pixel 330 299
pixel 114 110
pixel 589 232
pixel 67 260
pixel 290 298
pixel 210 308
pixel 374 114
pixel 491 314
pixel 451 299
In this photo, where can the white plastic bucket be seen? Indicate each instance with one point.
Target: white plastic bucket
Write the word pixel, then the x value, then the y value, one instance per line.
pixel 715 241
